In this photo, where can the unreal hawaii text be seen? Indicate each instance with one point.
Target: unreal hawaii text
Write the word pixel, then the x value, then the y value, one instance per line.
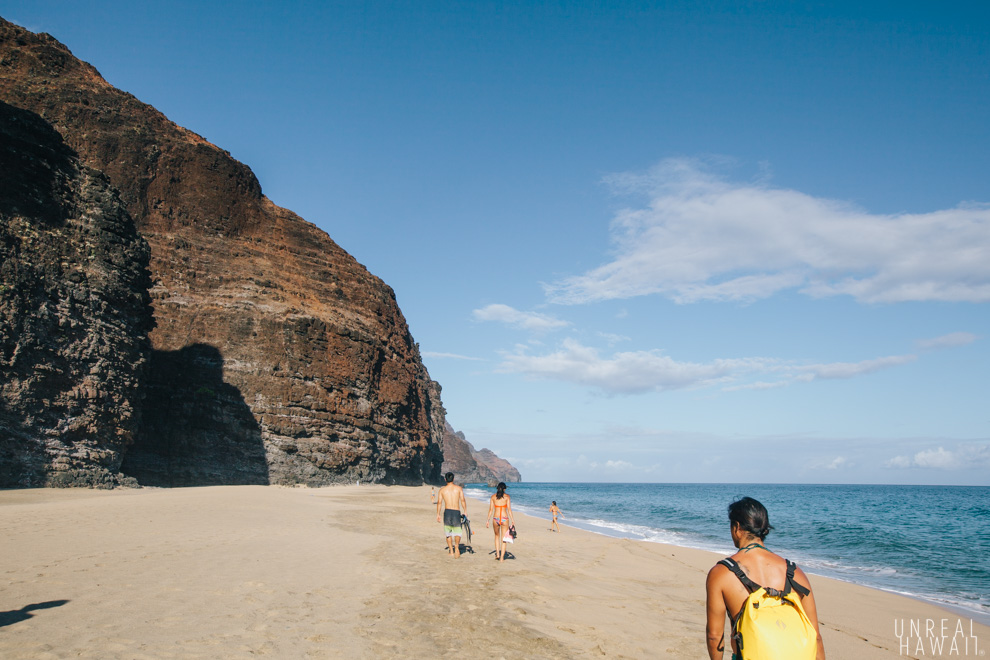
pixel 937 638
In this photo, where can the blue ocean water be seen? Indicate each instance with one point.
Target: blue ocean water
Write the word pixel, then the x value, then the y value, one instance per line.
pixel 928 542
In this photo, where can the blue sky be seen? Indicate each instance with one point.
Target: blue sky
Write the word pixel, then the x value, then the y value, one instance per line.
pixel 685 241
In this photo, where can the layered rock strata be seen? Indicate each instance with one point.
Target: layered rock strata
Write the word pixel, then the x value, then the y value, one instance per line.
pixel 278 357
pixel 74 314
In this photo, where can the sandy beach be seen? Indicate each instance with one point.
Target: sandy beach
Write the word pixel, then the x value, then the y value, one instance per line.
pixel 362 572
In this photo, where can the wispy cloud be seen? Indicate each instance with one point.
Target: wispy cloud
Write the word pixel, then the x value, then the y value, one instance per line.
pixel 449 356
pixel 701 237
pixel 948 341
pixel 758 385
pixel 633 372
pixel 625 372
pixel 976 455
pixel 853 369
pixel 612 339
pixel 26 26
pixel 532 321
pixel 667 454
pixel 833 464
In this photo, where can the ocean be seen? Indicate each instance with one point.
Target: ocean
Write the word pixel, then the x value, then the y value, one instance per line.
pixel 926 542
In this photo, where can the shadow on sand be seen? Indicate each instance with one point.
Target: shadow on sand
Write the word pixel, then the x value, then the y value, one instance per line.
pixel 508 555
pixel 465 548
pixel 23 614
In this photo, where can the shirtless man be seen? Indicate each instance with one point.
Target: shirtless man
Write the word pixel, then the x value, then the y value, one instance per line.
pixel 451 501
pixel 555 511
pixel 749 526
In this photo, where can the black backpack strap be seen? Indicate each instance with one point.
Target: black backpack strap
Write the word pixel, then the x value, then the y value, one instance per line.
pixel 738 571
pixel 792 583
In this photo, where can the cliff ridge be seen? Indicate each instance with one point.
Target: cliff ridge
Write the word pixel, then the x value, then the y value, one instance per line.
pixel 275 356
pixel 472 466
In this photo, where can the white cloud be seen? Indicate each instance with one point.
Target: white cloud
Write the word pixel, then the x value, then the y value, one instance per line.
pixel 852 369
pixel 838 462
pixel 936 458
pixel 449 356
pixel 525 320
pixel 950 340
pixel 899 462
pixel 619 465
pixel 627 372
pixel 659 453
pixel 702 238
pixel 612 339
pixel 968 456
pixel 758 385
pixel 634 372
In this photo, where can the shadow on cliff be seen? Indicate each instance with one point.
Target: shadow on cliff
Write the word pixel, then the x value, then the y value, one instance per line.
pixel 196 430
pixel 22 457
pixel 23 614
pixel 35 163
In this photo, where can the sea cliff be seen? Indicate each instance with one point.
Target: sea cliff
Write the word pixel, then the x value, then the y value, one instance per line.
pixel 274 357
pixel 470 465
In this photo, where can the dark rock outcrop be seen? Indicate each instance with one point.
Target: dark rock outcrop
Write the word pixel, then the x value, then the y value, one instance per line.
pixel 458 457
pixel 74 313
pixel 472 466
pixel 270 339
pixel 501 468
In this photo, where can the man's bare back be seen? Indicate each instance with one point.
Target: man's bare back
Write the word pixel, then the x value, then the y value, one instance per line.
pixel 451 502
pixel 452 497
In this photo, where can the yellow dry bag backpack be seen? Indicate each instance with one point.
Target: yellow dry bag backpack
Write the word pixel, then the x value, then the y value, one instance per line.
pixel 772 624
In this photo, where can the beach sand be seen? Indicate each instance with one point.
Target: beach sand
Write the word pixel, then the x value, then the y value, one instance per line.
pixel 362 572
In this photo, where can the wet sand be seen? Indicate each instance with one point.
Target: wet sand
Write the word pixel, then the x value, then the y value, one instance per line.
pixel 362 572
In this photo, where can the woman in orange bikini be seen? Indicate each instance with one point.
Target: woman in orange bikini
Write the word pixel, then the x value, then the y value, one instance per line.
pixel 500 514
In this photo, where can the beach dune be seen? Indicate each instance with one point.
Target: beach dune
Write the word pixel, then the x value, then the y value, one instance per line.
pixel 362 572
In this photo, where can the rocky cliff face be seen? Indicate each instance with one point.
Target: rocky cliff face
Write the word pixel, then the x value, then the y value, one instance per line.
pixel 74 314
pixel 458 457
pixel 501 468
pixel 277 357
pixel 472 466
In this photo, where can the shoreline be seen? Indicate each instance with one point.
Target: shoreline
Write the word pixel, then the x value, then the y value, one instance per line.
pixel 584 525
pixel 362 572
pixel 979 617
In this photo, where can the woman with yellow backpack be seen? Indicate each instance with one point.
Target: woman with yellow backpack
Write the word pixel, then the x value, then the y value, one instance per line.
pixel 767 598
